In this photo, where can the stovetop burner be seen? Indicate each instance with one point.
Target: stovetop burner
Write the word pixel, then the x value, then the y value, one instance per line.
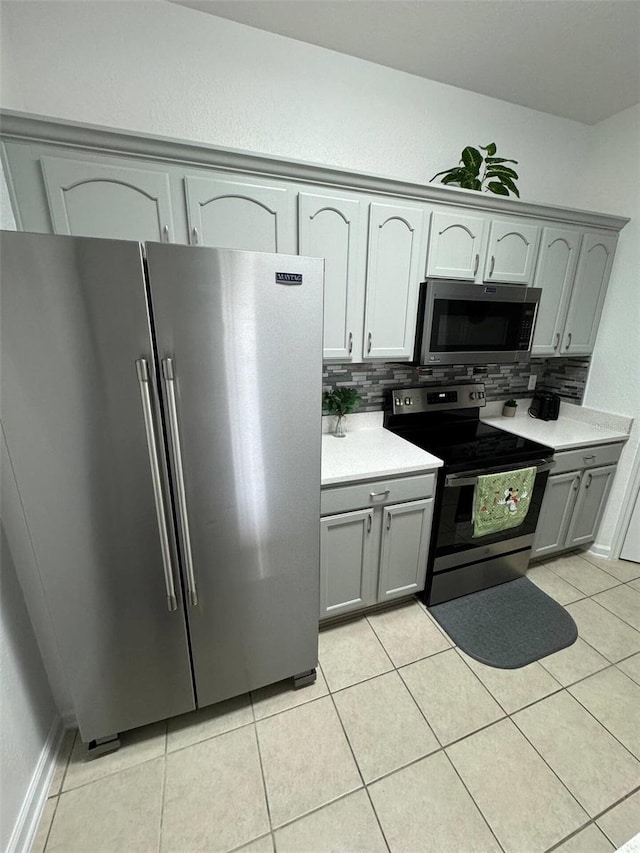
pixel 452 430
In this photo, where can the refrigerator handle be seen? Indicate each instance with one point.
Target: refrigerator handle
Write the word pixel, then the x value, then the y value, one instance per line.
pixel 142 369
pixel 168 375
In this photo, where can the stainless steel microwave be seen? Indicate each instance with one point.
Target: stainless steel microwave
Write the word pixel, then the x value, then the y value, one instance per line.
pixel 462 323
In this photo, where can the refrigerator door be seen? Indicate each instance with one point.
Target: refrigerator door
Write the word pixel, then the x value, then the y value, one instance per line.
pixel 74 324
pixel 239 337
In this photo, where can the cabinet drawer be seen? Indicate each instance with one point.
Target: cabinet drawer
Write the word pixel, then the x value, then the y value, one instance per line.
pixel 376 493
pixel 586 457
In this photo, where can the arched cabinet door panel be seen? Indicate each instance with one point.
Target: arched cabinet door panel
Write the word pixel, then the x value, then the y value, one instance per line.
pixel 511 252
pixel 455 245
pixel 589 289
pixel 396 259
pixel 554 275
pixel 115 200
pixel 334 228
pixel 244 215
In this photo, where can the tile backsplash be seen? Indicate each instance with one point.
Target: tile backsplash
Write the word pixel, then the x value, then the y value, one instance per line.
pixel 565 376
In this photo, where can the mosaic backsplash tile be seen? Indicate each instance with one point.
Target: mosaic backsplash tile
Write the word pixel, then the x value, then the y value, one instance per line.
pixel 565 376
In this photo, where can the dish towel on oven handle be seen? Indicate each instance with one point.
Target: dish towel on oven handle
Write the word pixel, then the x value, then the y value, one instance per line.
pixel 501 501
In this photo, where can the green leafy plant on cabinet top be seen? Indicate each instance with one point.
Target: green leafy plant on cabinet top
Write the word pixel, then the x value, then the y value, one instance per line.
pixel 496 177
pixel 341 401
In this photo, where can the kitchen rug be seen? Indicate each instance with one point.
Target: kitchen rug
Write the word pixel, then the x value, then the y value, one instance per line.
pixel 507 626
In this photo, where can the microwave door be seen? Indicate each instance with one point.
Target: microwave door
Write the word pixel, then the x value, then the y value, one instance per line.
pixel 473 324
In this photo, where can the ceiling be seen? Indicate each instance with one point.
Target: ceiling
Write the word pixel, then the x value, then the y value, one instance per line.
pixel 574 58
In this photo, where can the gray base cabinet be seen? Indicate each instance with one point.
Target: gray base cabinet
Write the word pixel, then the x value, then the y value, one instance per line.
pixel 575 499
pixel 374 554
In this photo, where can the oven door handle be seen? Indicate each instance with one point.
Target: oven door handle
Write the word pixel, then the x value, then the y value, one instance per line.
pixel 471 478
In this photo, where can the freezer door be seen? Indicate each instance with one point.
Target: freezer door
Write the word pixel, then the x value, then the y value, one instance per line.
pixel 239 337
pixel 75 343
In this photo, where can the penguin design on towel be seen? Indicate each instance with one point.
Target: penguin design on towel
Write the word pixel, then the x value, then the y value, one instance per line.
pixel 511 498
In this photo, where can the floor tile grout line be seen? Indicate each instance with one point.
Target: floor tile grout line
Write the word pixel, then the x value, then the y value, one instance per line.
pixel 604 726
pixel 162 800
pixel 115 772
pixel 604 559
pixel 264 780
pixel 53 817
pixel 355 760
pixel 562 782
pixel 610 613
pixel 473 799
pixel 593 821
pixel 621 618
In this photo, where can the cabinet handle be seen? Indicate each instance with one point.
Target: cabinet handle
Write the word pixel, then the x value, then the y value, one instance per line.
pixel 475 266
pixel 576 484
pixel 379 494
pixel 369 523
pixel 557 341
pixel 493 263
pixel 194 236
pixel 568 344
pixel 350 342
pixel 590 478
pixel 588 458
pixel 388 521
pixel 369 339
pixel 165 233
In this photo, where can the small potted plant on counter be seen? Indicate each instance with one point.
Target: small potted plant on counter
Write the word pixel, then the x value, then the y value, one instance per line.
pixel 509 409
pixel 341 402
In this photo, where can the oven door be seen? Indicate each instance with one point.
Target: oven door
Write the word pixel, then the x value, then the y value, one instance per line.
pixel 460 564
pixel 455 544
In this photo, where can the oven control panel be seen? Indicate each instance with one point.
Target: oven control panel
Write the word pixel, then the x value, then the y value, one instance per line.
pixel 405 401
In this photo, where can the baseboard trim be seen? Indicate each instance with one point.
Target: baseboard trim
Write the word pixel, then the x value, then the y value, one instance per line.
pixel 34 801
pixel 603 551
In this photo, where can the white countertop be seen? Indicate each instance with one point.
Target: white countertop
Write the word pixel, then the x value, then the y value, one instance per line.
pixel 370 453
pixel 577 426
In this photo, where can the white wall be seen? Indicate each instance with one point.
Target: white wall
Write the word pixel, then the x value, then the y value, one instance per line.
pixel 28 713
pixel 614 378
pixel 168 70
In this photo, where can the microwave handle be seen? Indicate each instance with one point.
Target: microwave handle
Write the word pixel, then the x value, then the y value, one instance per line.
pixel 470 478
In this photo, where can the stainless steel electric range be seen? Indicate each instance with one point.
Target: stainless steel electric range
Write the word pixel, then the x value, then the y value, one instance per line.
pixel 445 420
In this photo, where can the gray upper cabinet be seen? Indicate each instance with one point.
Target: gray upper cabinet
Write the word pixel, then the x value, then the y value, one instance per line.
pixel 254 215
pixel 480 248
pixel 396 257
pixel 555 275
pixel 587 296
pixel 115 199
pixel 455 245
pixel 335 228
pixel 511 252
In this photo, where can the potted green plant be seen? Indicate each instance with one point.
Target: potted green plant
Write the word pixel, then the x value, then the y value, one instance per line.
pixel 496 177
pixel 509 409
pixel 341 402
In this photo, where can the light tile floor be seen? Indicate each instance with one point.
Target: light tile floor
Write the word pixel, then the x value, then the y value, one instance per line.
pixel 404 743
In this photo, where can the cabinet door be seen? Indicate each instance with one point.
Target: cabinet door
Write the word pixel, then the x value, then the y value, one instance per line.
pixel 110 199
pixel 256 217
pixel 334 228
pixel 347 562
pixel 395 263
pixel 405 543
pixel 511 252
pixel 555 275
pixel 587 297
pixel 555 513
pixel 590 505
pixel 455 242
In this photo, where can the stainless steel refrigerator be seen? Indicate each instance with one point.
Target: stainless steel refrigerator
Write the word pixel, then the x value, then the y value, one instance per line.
pixel 161 406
